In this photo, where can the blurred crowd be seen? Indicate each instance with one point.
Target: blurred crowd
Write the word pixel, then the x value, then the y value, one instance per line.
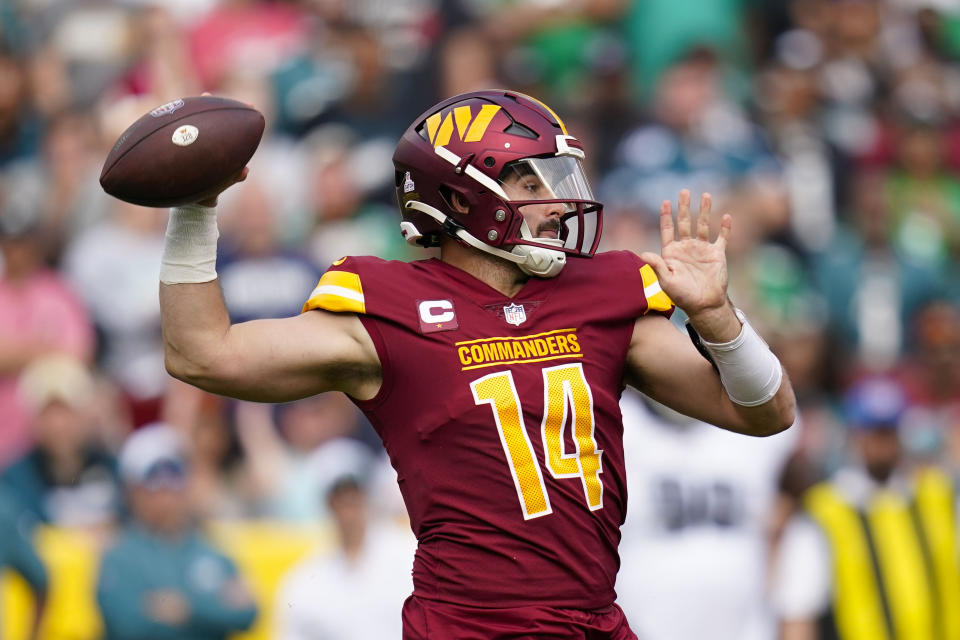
pixel 828 129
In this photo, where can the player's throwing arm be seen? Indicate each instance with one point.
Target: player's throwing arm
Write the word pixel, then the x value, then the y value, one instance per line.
pixel 183 154
pixel 275 360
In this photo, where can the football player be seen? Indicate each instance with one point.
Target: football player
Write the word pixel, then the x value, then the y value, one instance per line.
pixel 492 373
pixel 697 537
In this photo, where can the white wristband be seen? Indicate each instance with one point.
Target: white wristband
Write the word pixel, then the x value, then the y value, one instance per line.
pixel 190 246
pixel 749 371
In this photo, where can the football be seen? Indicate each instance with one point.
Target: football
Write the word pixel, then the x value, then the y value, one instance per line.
pixel 182 151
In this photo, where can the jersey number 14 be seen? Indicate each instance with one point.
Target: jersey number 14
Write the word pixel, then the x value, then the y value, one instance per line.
pixel 566 394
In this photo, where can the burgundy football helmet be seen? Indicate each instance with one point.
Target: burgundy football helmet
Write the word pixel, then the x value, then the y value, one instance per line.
pixel 479 149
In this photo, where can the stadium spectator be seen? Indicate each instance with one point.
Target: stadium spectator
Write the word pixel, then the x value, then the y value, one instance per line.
pixel 245 36
pixel 39 315
pixel 112 285
pixel 700 138
pixel 20 128
pixel 466 62
pixel 58 186
pixel 260 279
pixel 922 191
pixel 162 67
pixel 875 553
pixel 297 450
pixel 68 478
pixel 871 288
pixel 789 100
pixel 658 31
pixel 220 482
pixel 930 372
pixel 17 553
pixel 344 177
pixel 357 590
pixel 162 578
pixel 550 49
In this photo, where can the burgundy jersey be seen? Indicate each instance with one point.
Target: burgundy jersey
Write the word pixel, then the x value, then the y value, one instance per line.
pixel 501 417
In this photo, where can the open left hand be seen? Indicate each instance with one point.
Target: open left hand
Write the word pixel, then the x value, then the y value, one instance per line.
pixel 691 269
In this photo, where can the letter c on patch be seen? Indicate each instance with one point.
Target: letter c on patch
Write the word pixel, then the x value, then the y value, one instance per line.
pixel 436 311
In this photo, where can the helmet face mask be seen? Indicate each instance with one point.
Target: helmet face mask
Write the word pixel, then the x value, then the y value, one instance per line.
pixel 558 187
pixel 506 155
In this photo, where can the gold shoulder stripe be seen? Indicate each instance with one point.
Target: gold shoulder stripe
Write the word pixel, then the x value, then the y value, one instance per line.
pixel 338 291
pixel 344 279
pixel 657 299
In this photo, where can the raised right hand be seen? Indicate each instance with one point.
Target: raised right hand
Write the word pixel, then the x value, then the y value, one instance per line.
pixel 238 177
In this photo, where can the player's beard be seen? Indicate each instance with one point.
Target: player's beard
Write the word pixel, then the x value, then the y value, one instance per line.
pixel 881 470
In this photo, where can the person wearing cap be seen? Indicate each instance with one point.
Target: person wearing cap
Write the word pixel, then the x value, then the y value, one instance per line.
pixel 67 478
pixel 874 555
pixel 39 315
pixel 162 578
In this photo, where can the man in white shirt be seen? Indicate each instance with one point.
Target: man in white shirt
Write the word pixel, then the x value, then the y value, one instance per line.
pixel 356 592
pixel 696 533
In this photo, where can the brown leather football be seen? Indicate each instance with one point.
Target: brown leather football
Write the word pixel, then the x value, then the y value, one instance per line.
pixel 182 151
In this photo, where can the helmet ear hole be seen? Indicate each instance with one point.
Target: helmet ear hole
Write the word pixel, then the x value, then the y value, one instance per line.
pixel 457 201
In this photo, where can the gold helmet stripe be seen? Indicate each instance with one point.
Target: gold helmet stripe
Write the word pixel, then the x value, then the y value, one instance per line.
pixel 462 115
pixel 433 123
pixel 480 124
pixel 446 130
pixel 563 127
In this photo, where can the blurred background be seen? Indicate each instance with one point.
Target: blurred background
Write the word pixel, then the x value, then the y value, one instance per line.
pixel 133 506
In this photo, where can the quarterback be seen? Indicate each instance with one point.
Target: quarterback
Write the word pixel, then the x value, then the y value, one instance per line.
pixel 493 373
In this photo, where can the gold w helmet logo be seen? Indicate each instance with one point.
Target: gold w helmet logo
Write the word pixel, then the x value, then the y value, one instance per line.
pixel 469 129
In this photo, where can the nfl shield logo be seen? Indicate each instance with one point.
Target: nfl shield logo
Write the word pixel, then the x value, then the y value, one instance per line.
pixel 166 109
pixel 514 314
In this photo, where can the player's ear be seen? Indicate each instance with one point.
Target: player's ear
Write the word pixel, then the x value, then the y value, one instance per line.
pixel 459 203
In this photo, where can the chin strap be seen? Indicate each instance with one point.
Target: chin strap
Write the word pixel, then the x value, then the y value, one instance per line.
pixel 540 261
pixel 534 261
